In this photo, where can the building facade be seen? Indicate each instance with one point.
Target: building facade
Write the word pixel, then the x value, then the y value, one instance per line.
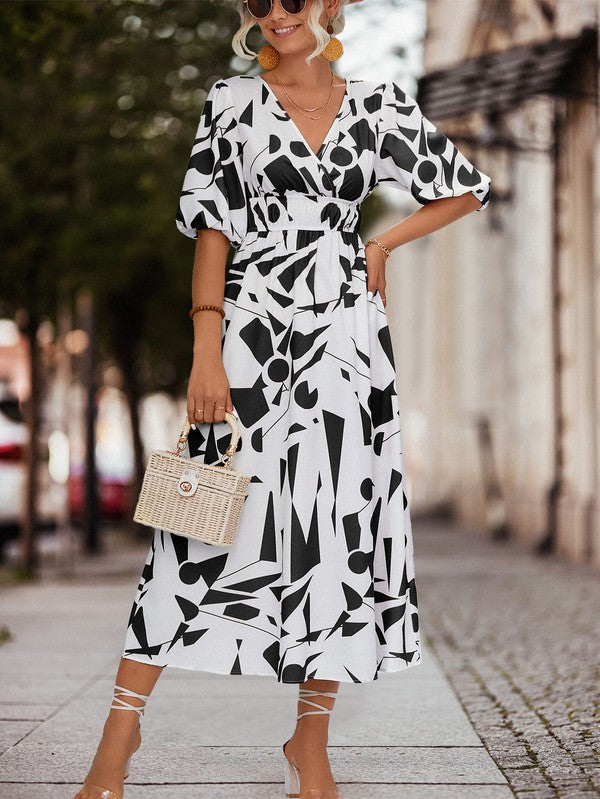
pixel 496 318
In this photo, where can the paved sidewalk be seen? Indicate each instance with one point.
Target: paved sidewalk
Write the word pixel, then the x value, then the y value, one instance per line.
pixel 405 735
pixel 519 639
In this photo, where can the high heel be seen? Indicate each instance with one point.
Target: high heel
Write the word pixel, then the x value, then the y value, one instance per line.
pixel 292 772
pixel 292 776
pixel 118 703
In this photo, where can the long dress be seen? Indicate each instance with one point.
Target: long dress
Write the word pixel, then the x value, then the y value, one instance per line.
pixel 320 581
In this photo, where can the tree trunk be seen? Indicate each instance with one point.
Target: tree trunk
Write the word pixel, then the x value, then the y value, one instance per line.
pixel 90 515
pixel 132 392
pixel 31 412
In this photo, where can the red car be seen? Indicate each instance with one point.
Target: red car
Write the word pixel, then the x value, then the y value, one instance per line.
pixel 112 495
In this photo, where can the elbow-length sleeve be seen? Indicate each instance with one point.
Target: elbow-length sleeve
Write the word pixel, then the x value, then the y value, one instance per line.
pixel 412 154
pixel 213 193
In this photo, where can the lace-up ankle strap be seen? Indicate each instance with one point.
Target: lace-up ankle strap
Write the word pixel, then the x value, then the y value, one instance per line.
pixel 313 692
pixel 123 704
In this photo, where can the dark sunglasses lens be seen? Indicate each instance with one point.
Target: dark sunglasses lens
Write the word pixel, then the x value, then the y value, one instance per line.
pixel 262 8
pixel 293 6
pixel 259 8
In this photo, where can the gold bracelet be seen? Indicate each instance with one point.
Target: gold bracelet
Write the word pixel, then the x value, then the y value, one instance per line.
pixel 380 245
pixel 207 308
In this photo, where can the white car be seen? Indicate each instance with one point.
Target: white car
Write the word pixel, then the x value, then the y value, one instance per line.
pixel 13 441
pixel 13 475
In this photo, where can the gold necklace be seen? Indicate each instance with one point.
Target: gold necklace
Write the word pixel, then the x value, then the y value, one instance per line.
pixel 316 108
pixel 304 110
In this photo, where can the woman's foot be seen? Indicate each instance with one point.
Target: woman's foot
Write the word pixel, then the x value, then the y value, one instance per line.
pixel 307 748
pixel 311 759
pixel 121 737
pixel 108 769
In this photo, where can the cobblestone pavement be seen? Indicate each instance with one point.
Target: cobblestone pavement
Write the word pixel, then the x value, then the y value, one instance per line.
pixel 518 636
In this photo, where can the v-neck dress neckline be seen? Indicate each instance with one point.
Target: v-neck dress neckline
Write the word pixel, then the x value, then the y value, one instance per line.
pixel 318 154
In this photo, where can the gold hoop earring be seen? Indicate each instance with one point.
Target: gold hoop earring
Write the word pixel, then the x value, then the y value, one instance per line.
pixel 334 48
pixel 268 57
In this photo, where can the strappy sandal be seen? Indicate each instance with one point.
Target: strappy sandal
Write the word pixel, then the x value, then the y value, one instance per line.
pixel 98 791
pixel 292 772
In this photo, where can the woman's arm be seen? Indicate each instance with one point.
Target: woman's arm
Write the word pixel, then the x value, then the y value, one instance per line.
pixel 430 217
pixel 208 288
pixel 433 216
pixel 208 385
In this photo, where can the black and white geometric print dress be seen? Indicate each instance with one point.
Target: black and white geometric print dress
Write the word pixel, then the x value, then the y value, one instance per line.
pixel 320 582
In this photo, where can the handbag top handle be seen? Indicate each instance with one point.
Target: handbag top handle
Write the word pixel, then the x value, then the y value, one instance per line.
pixel 233 441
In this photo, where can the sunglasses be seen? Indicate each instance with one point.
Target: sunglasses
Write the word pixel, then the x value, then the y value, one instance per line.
pixel 262 8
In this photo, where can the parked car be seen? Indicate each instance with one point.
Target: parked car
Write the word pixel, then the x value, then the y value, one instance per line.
pixel 13 440
pixel 13 474
pixel 114 459
pixel 112 495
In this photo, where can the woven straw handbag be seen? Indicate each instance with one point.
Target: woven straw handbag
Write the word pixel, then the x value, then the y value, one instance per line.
pixel 197 500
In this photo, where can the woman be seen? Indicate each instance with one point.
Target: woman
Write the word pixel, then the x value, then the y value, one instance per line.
pixel 319 586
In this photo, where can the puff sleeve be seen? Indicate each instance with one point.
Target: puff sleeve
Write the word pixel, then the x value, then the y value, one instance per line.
pixel 412 154
pixel 213 193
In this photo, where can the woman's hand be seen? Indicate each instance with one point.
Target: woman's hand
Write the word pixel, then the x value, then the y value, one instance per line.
pixel 208 387
pixel 376 259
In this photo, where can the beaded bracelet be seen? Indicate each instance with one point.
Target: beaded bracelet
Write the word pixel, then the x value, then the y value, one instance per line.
pixel 207 308
pixel 380 245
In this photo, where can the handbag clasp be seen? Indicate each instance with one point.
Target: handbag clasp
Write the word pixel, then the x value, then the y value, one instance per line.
pixel 188 483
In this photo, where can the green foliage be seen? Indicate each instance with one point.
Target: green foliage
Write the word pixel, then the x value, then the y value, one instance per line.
pixel 99 103
pixel 5 634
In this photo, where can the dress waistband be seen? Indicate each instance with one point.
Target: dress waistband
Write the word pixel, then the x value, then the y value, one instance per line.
pixel 296 211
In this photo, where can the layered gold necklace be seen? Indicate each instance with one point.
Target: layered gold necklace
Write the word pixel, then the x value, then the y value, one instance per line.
pixel 307 112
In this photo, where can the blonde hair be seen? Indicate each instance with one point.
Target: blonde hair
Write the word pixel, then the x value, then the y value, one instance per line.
pixel 238 43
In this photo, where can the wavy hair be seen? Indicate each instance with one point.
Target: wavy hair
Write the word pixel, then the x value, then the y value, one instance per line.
pixel 238 43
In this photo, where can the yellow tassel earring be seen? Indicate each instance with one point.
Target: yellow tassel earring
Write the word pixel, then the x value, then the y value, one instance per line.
pixel 268 57
pixel 333 49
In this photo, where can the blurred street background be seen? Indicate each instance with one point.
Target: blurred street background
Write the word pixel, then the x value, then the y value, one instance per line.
pixel 495 323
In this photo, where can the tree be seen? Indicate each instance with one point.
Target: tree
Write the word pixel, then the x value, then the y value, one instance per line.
pixel 99 102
